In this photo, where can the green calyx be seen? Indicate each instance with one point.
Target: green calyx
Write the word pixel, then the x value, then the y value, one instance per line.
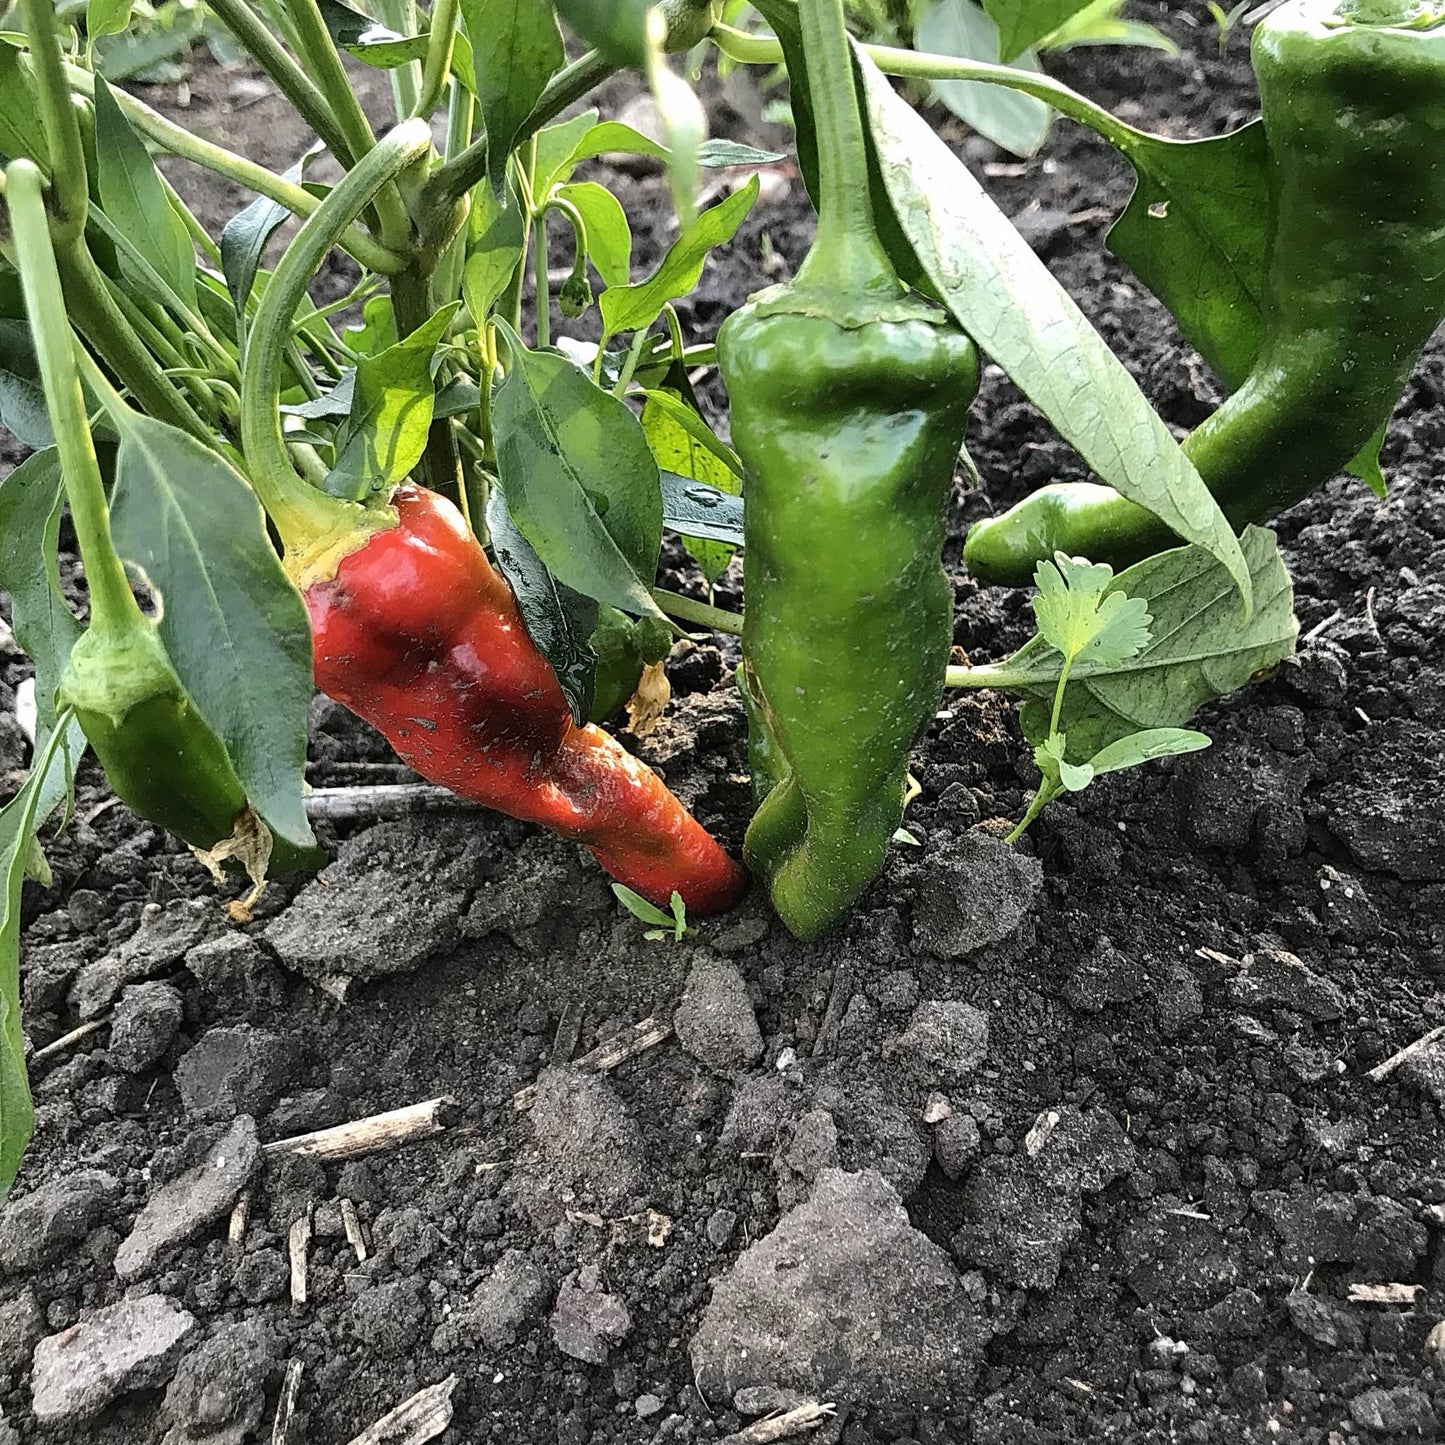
pixel 687 22
pixel 112 671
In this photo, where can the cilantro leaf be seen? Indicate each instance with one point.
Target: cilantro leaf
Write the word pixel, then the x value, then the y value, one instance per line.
pixel 1079 617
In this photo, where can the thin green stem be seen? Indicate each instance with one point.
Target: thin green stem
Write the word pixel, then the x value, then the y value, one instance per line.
pixel 288 77
pixel 629 364
pixel 438 56
pixel 688 610
pixel 1040 800
pixel 178 141
pixel 674 331
pixel 846 257
pixel 487 348
pixel 1059 694
pixel 406 80
pixel 113 607
pixel 69 193
pixel 543 286
pixel 305 517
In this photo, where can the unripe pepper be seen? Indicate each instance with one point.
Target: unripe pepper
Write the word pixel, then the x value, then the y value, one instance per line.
pixel 848 397
pixel 1352 97
pixel 415 632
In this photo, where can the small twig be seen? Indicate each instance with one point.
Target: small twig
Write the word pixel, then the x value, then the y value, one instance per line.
pixel 355 1234
pixel 1385 1294
pixel 381 800
pixel 366 1136
pixel 286 1406
pixel 65 1041
pixel 1319 627
pixel 796 1421
pixel 236 1229
pixel 1370 613
pixel 1382 1071
pixel 421 1418
pixel 298 1246
pixel 607 1055
pixel 569 1030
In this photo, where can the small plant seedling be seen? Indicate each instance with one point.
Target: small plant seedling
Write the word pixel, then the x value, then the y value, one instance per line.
pixel 1089 626
pixel 673 925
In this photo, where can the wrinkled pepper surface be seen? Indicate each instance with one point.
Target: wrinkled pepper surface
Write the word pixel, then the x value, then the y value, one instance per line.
pixel 848 396
pixel 418 634
pixel 1352 97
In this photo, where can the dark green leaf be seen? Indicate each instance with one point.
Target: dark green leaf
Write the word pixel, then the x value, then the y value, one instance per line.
pixel 579 479
pixel 30 507
pixel 1008 301
pixel 696 509
pixel 1022 24
pixel 682 443
pixel 557 619
pixel 392 404
pixel 244 236
pixel 617 28
pixel 21 133
pixel 1017 122
pixel 135 201
pixel 20 823
pixel 516 49
pixel 1144 747
pixel 557 157
pixel 494 253
pixel 231 620
pixel 106 17
pixel 22 398
pixel 634 308
pixel 369 41
pixel 609 237
pixel 330 405
pixel 716 153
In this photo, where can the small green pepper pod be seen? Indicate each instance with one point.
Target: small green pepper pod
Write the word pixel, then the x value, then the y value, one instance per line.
pixel 1353 104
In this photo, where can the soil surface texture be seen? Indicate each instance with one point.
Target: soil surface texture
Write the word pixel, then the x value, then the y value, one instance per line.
pixel 1072 1142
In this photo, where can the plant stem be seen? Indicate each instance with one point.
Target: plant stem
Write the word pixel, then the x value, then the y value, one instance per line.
pixel 305 517
pixel 688 610
pixel 629 364
pixel 400 16
pixel 288 77
pixel 69 192
pixel 543 286
pixel 438 56
pixel 113 607
pixel 846 257
pixel 1059 694
pixel 1040 800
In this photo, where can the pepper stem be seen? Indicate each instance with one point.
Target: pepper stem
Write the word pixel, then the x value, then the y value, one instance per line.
pixel 113 608
pixel 846 257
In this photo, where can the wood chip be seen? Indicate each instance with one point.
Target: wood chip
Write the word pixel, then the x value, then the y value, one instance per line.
pixel 1383 1071
pixel 1385 1294
pixel 298 1245
pixel 367 1136
pixel 67 1041
pixel 355 1233
pixel 1038 1135
pixel 659 1227
pixel 286 1406
pixel 421 1418
pixel 607 1055
pixel 797 1421
pixel 381 800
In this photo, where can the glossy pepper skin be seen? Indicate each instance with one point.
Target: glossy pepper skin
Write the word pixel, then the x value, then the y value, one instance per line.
pixel 416 633
pixel 849 434
pixel 1353 104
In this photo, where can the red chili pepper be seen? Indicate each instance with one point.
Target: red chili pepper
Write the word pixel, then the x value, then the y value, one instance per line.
pixel 420 636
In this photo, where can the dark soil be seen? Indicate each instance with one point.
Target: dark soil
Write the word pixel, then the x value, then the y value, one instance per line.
pixel 1119 1080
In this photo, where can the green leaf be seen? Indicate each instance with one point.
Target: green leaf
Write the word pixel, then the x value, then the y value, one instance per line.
pixel 231 620
pixel 22 397
pixel 684 127
pixel 20 822
pixel 609 237
pixel 557 157
pixel 377 330
pixel 579 479
pixel 634 308
pixel 1054 765
pixel 244 236
pixel 136 203
pixel 616 28
pixel 1366 465
pixel 31 500
pixel 1019 123
pixel 494 252
pixel 368 40
pixel 695 509
pixel 392 403
pixel 1021 24
pixel 639 907
pixel 1010 303
pixel 516 49
pixel 21 131
pixel 717 153
pixel 1101 22
pixel 682 443
pixel 148 53
pixel 106 17
pixel 1197 650
pixel 1076 618
pixel 1144 747
pixel 559 620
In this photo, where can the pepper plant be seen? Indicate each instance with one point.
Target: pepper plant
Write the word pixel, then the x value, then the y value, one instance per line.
pixel 448 513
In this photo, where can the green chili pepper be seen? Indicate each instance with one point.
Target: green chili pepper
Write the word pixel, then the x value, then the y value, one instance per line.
pixel 848 397
pixel 1353 103
pixel 162 758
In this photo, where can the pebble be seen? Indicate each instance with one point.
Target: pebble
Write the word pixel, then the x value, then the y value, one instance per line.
pixel 133 1345
pixel 1326 1324
pixel 947 1036
pixel 506 1303
pixel 188 1204
pixel 586 1320
pixel 647 1406
pixel 40 1226
pixel 973 892
pixel 234 1070
pixel 237 973
pixel 720 1226
pixel 715 1021
pixel 1404 1410
pixel 956 1143
pixel 146 1019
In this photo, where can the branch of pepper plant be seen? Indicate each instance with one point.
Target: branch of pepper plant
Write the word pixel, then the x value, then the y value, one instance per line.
pixel 69 192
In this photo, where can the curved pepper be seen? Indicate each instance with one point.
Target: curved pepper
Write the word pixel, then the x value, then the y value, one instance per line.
pixel 848 397
pixel 416 633
pixel 1353 104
